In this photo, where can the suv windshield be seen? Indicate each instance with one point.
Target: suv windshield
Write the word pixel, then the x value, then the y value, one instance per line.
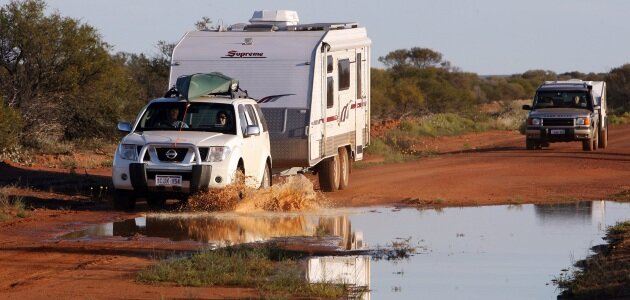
pixel 188 116
pixel 563 99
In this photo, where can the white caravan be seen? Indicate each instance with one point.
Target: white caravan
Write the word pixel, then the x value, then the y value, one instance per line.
pixel 312 82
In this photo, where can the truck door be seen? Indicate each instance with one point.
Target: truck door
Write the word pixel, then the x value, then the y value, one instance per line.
pixel 252 153
pixel 360 105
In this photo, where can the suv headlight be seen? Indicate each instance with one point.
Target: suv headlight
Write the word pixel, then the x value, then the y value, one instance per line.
pixel 128 151
pixel 217 154
pixel 533 121
pixel 583 121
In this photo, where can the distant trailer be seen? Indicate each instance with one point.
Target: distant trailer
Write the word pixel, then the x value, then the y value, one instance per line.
pixel 312 82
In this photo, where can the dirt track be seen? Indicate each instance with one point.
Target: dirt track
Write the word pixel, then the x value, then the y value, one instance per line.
pixel 494 169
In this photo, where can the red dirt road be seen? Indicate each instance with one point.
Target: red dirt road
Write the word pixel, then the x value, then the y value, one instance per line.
pixel 494 169
pixel 498 171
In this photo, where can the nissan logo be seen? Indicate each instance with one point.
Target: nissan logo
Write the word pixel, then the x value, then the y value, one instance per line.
pixel 171 154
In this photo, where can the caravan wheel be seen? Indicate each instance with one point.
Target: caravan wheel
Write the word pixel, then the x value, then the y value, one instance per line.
pixel 329 174
pixel 344 169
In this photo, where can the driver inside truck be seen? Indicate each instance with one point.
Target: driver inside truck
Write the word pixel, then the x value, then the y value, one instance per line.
pixel 222 119
pixel 172 119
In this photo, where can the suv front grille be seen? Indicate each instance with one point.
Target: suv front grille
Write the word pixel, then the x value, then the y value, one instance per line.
pixel 557 122
pixel 163 154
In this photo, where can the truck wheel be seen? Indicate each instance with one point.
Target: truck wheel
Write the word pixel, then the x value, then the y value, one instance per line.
pixel 266 179
pixel 124 200
pixel 530 144
pixel 344 169
pixel 590 144
pixel 603 138
pixel 596 140
pixel 587 145
pixel 329 174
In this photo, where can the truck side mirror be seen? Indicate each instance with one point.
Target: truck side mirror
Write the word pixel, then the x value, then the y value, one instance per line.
pixel 252 130
pixel 527 107
pixel 124 127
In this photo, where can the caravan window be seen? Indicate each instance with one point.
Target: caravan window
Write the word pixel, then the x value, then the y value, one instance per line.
pixel 330 99
pixel 344 74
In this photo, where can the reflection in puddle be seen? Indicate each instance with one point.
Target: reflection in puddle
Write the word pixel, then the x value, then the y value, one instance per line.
pixel 226 229
pixel 353 271
pixel 490 252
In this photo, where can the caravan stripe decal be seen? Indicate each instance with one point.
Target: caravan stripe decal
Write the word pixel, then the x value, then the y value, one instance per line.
pixel 335 118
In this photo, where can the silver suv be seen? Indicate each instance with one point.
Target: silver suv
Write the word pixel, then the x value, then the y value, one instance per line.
pixel 194 140
pixel 565 111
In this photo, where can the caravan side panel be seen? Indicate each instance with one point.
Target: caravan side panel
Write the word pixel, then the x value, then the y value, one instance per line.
pixel 276 68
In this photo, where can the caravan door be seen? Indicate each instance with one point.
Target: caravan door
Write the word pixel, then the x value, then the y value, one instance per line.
pixel 360 105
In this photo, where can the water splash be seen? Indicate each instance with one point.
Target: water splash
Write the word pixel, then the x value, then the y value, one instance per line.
pixel 296 193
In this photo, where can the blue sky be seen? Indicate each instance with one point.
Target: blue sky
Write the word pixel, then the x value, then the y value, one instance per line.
pixel 481 36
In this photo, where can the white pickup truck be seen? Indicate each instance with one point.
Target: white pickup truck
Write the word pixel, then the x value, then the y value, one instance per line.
pixel 195 138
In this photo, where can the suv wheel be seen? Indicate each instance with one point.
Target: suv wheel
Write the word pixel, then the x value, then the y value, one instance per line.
pixel 266 179
pixel 531 144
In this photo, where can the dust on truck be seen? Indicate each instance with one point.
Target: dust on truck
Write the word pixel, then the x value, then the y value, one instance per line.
pixel 566 111
pixel 312 82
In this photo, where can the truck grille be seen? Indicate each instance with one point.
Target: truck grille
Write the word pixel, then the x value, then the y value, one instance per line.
pixel 163 156
pixel 557 122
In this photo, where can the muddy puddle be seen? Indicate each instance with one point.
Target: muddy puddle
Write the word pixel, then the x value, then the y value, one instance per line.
pixel 490 252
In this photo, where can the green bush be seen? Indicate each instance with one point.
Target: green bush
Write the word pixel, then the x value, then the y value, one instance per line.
pixel 11 125
pixel 618 119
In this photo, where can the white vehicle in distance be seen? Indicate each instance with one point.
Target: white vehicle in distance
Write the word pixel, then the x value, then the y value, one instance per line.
pixel 195 138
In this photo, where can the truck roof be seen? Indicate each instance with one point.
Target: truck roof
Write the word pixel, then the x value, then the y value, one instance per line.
pixel 566 85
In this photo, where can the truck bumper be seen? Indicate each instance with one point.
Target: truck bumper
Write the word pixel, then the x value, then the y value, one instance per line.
pixel 559 134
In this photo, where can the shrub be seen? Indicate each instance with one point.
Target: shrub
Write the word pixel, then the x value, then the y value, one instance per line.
pixel 11 125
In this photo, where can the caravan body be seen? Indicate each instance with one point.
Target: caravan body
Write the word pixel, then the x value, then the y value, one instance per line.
pixel 312 82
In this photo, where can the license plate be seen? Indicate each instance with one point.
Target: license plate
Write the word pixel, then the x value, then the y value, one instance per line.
pixel 557 131
pixel 168 180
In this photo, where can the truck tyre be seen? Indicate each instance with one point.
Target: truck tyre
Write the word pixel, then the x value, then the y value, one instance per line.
pixel 590 144
pixel 329 174
pixel 587 145
pixel 603 138
pixel 596 140
pixel 266 179
pixel 530 144
pixel 124 200
pixel 344 168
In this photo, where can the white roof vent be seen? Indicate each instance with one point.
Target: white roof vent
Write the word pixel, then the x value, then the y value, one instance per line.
pixel 280 18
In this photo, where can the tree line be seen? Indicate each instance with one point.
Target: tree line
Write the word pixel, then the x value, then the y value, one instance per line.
pixel 60 81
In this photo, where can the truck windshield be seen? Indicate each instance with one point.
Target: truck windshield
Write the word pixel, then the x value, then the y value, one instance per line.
pixel 563 99
pixel 188 116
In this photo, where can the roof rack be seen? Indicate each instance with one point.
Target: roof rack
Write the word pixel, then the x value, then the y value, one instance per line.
pixel 323 26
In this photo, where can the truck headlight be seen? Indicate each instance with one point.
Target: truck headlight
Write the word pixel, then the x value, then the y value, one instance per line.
pixel 583 121
pixel 533 121
pixel 128 151
pixel 218 154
